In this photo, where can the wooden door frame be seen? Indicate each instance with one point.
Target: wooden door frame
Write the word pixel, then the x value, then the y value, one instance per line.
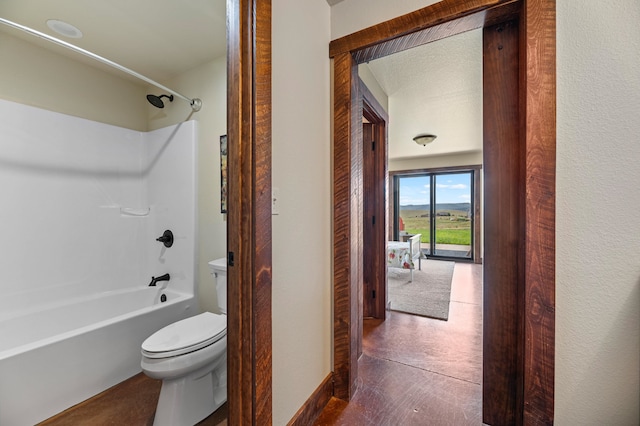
pixel 535 314
pixel 249 352
pixel 375 114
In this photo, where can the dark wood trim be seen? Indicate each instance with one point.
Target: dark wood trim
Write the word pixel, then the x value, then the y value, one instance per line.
pixel 538 80
pixel 477 215
pixel 435 22
pixel 448 169
pixel 347 221
pixel 534 348
pixel 372 109
pixel 375 177
pixel 503 276
pixel 313 406
pixel 370 254
pixel 249 245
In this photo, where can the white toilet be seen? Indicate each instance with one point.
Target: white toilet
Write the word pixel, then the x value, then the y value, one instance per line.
pixel 190 357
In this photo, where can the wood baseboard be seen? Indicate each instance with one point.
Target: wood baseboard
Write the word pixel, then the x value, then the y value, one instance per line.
pixel 313 406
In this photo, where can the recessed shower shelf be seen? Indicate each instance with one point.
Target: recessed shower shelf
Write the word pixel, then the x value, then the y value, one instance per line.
pixel 128 211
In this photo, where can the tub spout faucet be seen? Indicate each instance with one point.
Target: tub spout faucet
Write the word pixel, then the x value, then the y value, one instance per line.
pixel 154 280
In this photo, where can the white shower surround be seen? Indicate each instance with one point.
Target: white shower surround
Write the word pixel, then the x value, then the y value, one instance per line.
pixel 82 204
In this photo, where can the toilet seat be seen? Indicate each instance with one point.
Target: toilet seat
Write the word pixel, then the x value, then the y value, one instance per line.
pixel 187 335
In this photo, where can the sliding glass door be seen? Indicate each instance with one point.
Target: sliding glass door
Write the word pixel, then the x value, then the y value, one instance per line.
pixel 440 207
pixel 453 218
pixel 413 216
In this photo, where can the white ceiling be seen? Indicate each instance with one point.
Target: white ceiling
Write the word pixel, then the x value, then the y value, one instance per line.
pixel 156 38
pixel 435 88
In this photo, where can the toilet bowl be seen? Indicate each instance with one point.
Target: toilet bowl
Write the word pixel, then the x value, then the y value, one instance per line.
pixel 190 357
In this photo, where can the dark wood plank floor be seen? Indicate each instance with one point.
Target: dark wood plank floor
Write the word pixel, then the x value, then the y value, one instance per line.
pixel 132 403
pixel 420 371
pixel 414 371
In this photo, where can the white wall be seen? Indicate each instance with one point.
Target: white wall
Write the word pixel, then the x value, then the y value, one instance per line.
pixel 34 76
pixel 598 278
pixel 367 77
pixel 209 83
pixel 598 232
pixel 350 16
pixel 302 321
pixel 436 161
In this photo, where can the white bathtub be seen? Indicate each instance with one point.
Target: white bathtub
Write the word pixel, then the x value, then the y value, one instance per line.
pixel 55 357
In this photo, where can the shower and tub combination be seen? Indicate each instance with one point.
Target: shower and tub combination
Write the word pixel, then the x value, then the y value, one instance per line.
pixel 98 253
pixel 85 207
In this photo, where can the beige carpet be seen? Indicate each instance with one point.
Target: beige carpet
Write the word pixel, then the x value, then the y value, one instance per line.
pixel 429 293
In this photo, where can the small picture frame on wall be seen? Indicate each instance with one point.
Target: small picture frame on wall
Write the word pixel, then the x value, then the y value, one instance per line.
pixel 223 174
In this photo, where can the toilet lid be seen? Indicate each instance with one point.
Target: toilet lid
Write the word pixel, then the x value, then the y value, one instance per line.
pixel 185 336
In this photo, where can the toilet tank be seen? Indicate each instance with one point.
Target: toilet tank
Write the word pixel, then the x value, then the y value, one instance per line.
pixel 218 269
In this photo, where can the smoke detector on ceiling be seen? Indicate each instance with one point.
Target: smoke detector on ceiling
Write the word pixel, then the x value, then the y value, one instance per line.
pixel 64 28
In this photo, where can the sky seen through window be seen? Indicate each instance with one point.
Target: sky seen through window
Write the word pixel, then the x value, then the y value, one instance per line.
pixel 450 188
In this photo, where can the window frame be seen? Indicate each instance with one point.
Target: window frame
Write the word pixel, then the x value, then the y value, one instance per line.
pixel 476 195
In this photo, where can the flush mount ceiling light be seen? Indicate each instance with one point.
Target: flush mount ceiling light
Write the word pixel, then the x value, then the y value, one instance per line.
pixel 64 29
pixel 424 139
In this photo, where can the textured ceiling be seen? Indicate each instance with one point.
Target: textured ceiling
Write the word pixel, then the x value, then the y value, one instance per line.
pixel 435 88
pixel 157 38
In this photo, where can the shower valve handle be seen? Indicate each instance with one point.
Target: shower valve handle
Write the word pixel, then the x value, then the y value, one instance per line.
pixel 166 238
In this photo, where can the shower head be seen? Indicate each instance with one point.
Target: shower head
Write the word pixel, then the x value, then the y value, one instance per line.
pixel 156 101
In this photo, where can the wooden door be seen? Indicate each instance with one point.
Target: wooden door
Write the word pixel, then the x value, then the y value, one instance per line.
pixel 369 228
pixel 374 200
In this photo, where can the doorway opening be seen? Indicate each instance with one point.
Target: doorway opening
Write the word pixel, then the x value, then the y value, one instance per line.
pixel 519 171
pixel 436 203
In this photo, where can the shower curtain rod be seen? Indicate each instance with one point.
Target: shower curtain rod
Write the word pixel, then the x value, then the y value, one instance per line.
pixel 195 103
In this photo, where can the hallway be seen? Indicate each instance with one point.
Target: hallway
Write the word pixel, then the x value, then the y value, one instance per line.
pixel 420 371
